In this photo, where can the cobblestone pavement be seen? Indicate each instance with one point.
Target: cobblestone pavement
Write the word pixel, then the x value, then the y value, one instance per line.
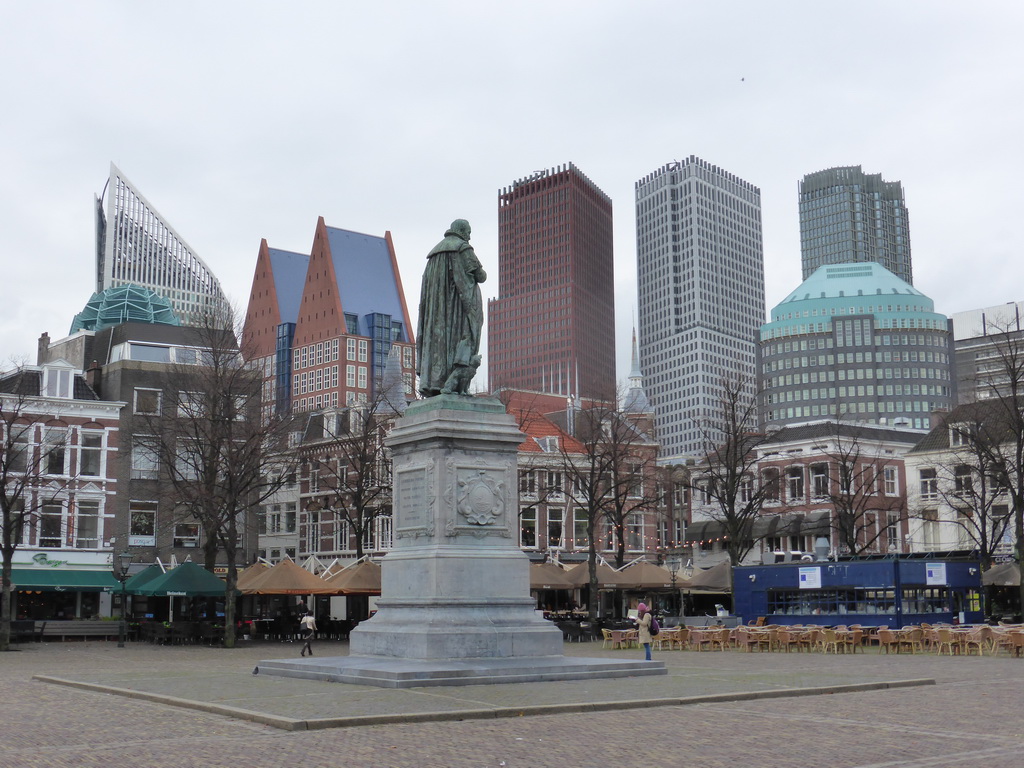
pixel 972 716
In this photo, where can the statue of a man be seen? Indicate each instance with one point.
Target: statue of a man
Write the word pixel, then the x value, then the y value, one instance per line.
pixel 451 315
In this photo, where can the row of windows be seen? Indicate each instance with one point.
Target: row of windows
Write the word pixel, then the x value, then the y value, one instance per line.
pixel 68 524
pixel 53 451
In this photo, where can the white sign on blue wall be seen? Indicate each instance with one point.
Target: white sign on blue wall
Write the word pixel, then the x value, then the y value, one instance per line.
pixel 810 578
pixel 935 574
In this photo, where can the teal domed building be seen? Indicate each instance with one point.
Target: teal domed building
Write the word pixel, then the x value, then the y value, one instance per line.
pixel 127 303
pixel 855 342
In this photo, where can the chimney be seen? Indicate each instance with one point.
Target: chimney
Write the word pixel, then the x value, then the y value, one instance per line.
pixel 43 348
pixel 92 377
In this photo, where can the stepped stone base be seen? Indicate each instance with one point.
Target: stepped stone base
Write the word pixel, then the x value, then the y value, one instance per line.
pixel 417 673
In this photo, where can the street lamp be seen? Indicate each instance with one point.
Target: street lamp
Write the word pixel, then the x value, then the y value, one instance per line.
pixel 673 563
pixel 121 565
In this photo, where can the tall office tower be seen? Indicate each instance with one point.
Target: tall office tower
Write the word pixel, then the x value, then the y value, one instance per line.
pixel 700 283
pixel 135 245
pixel 855 342
pixel 847 216
pixel 552 326
pixel 322 326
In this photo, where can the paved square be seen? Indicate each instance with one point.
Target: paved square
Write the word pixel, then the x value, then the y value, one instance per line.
pixel 971 716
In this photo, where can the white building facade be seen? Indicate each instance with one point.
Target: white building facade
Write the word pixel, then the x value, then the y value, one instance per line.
pixel 700 278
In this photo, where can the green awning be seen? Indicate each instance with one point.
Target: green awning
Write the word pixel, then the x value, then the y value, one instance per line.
pixel 63 580
pixel 185 580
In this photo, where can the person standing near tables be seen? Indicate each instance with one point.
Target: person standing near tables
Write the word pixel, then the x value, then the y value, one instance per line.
pixel 643 623
pixel 308 624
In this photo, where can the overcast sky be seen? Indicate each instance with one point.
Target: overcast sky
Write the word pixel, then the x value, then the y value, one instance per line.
pixel 248 120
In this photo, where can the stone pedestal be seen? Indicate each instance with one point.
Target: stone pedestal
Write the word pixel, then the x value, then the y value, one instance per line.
pixel 455 584
pixel 455 605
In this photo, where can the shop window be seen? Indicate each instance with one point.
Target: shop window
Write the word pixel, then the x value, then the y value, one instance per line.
pixel 186 535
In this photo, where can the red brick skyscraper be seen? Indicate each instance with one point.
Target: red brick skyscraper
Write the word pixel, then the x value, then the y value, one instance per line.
pixel 552 327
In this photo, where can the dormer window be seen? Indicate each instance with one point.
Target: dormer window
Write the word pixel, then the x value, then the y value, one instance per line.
pixel 58 381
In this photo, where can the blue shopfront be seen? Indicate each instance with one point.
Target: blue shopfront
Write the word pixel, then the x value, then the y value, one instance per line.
pixel 889 593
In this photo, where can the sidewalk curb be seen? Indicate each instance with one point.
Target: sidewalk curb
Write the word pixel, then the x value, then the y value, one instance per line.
pixel 290 724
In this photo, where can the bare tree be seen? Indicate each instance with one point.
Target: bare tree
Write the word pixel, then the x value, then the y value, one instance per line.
pixel 26 484
pixel 608 469
pixel 222 459
pixel 996 444
pixel 352 467
pixel 725 479
pixel 857 490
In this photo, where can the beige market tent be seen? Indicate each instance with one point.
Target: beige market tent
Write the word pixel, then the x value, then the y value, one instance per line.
pixel 359 579
pixel 286 578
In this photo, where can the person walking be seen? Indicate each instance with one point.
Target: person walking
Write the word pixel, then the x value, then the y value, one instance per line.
pixel 643 623
pixel 308 625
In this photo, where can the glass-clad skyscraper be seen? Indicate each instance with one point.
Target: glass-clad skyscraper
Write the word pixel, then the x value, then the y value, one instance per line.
pixel 848 216
pixel 134 245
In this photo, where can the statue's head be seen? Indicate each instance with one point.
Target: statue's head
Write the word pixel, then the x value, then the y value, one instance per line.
pixel 461 228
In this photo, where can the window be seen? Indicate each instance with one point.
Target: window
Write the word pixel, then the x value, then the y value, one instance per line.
pixel 362 377
pixel 21 450
pixel 579 529
pixel 528 483
pixel 635 531
pixel 770 479
pixel 147 401
pixel 555 485
pixel 57 382
pixel 528 527
pixel 51 525
pixel 362 350
pixel 190 405
pixel 350 376
pixel 188 459
pixel 52 450
pixel 892 534
pixel 819 481
pixel 795 483
pixel 930 528
pixel 289 517
pixel 142 532
pixel 145 458
pixel 350 349
pixel 87 524
pixel 90 454
pixel 929 484
pixel 746 489
pixel 963 483
pixel 556 516
pixel 186 535
pixel 890 481
pixel 383 527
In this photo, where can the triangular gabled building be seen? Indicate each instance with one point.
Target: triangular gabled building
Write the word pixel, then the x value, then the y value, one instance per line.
pixel 323 325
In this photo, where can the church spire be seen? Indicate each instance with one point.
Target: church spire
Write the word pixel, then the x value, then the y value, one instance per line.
pixel 636 398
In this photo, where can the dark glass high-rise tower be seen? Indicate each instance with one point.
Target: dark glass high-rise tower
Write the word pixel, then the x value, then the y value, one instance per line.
pixel 849 216
pixel 552 326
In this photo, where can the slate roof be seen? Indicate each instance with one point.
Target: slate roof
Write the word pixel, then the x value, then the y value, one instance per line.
pixel 367 281
pixel 826 429
pixel 289 273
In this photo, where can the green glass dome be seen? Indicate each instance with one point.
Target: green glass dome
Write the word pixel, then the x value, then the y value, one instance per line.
pixel 124 304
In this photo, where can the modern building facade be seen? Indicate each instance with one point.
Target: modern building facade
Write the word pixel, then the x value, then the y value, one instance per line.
pixel 134 244
pixel 321 327
pixel 552 326
pixel 847 215
pixel 855 342
pixel 700 278
pixel 989 345
pixel 154 371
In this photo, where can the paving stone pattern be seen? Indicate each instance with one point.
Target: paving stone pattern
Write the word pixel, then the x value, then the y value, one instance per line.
pixel 972 716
